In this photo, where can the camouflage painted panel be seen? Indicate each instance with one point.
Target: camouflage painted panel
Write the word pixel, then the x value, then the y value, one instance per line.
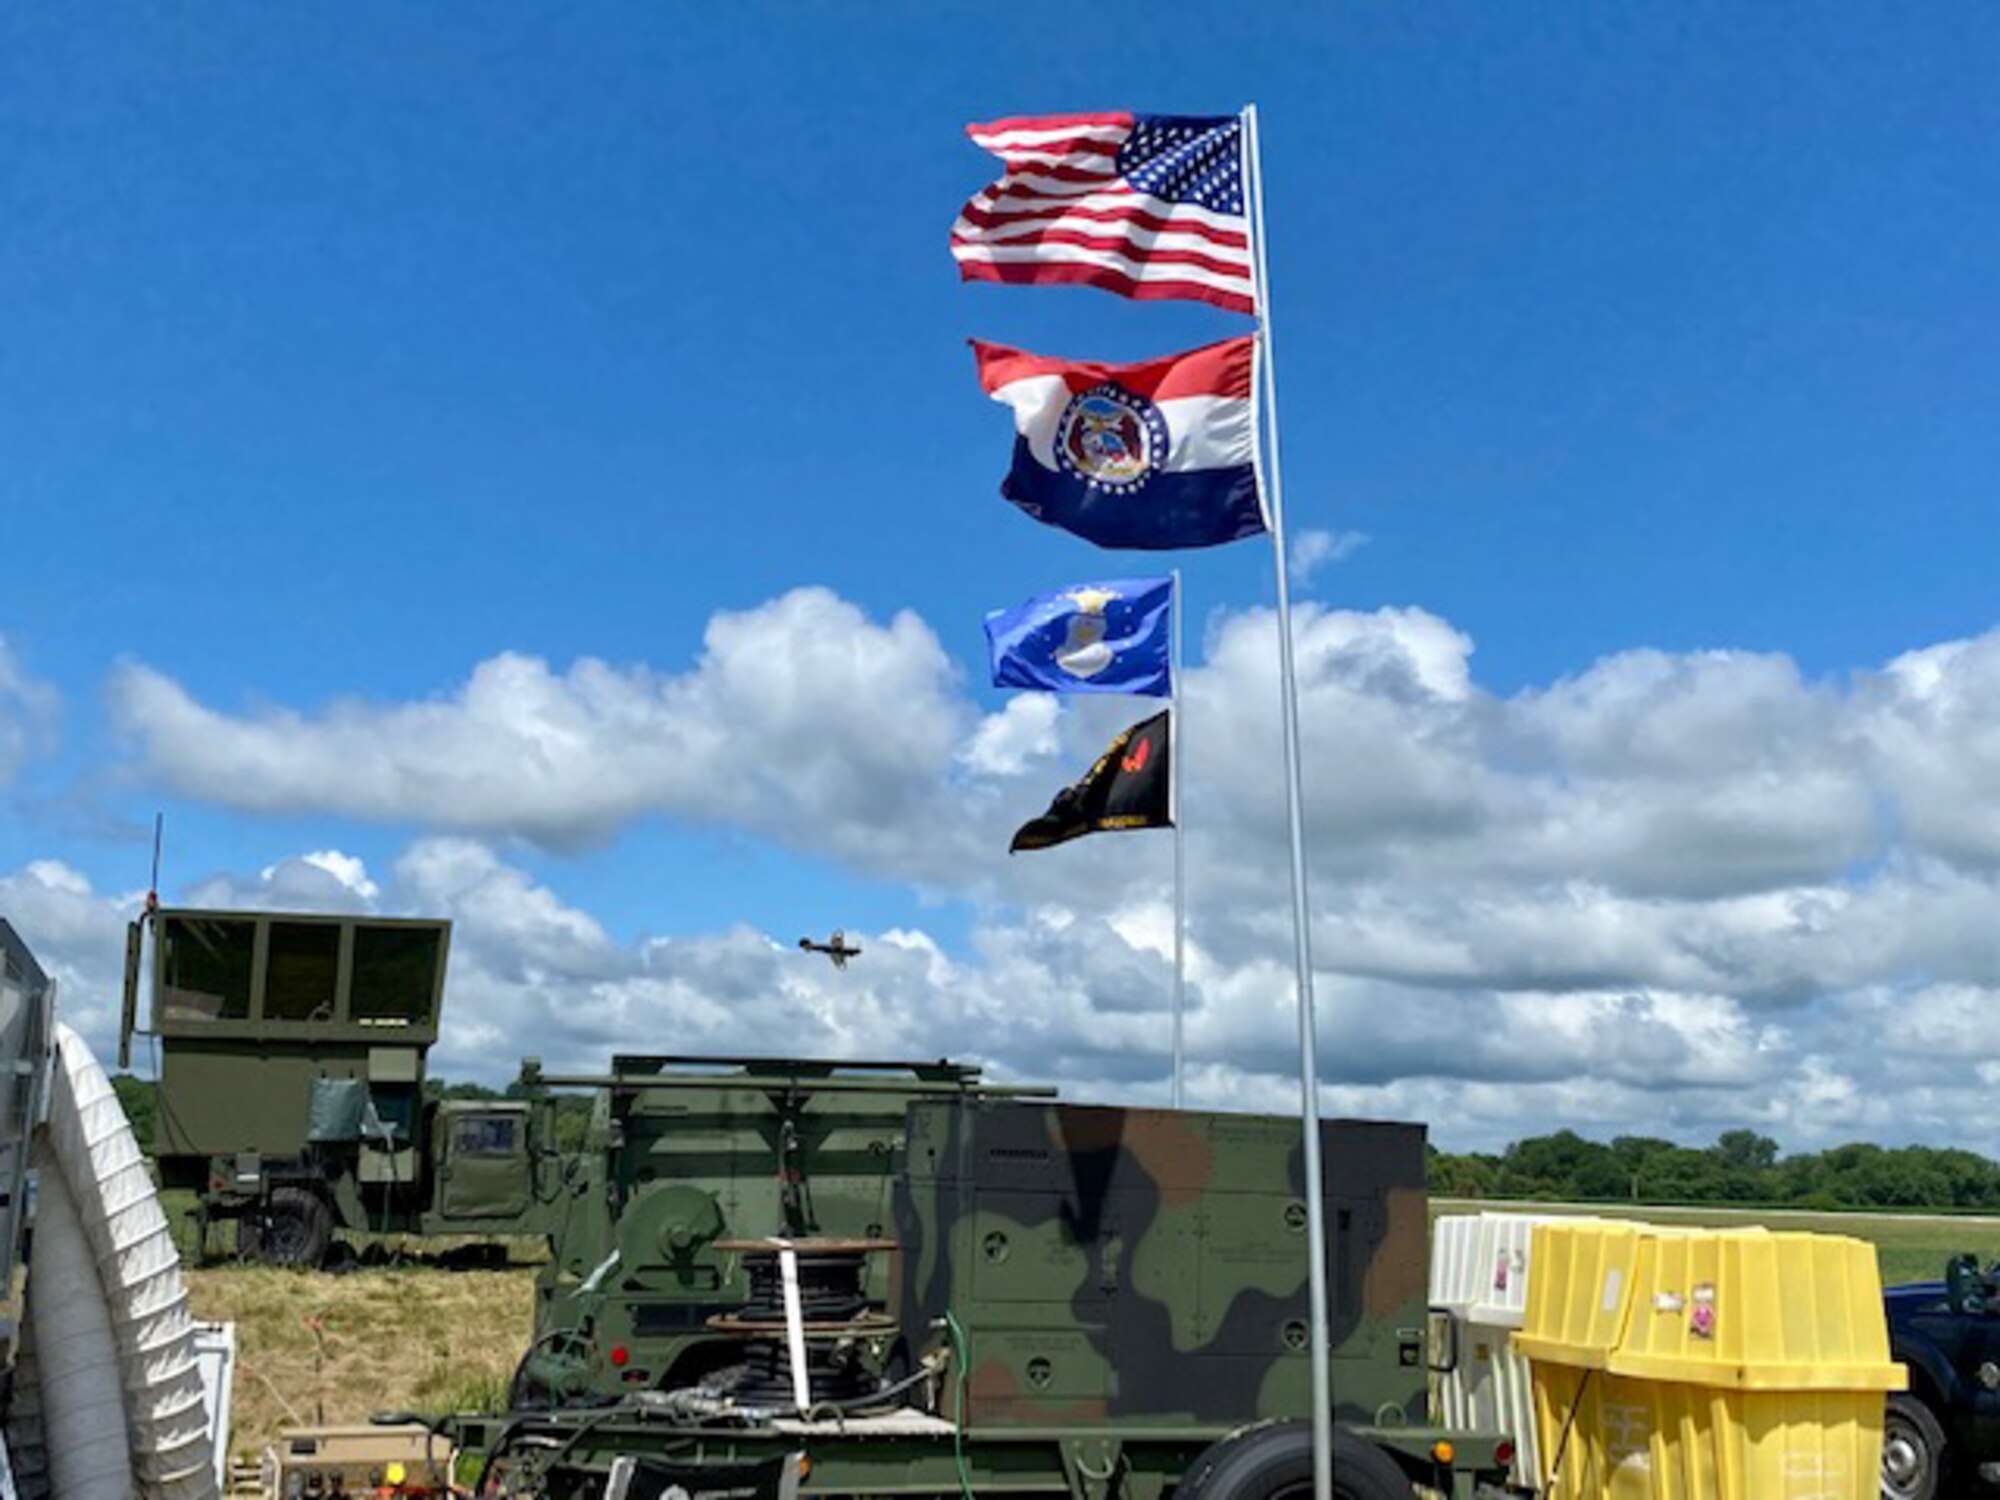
pixel 1151 1264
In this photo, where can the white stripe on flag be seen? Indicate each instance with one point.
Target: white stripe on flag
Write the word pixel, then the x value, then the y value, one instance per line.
pixel 1207 432
pixel 1203 432
pixel 1139 270
pixel 1137 236
pixel 1027 158
pixel 1123 202
pixel 1069 189
pixel 998 140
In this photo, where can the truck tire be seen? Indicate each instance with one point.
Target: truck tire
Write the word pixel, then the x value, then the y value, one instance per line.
pixel 1276 1463
pixel 1914 1460
pixel 294 1229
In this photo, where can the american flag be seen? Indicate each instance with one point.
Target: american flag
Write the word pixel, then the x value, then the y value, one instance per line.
pixel 1141 205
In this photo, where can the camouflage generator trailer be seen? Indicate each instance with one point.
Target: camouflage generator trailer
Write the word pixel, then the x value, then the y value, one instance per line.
pixel 1049 1299
pixel 291 1056
pixel 682 1157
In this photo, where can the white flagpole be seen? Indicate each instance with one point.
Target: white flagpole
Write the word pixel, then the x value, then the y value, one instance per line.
pixel 1180 846
pixel 1322 1351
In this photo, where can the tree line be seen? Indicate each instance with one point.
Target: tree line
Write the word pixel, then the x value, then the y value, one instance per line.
pixel 1742 1167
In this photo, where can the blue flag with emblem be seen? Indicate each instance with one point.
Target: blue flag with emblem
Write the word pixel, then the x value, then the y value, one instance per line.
pixel 1111 637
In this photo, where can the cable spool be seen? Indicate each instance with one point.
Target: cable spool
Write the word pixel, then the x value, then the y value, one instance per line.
pixel 829 1288
pixel 834 1317
pixel 834 1373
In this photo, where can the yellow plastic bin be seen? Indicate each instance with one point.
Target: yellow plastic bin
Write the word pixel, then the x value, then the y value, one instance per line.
pixel 1577 1304
pixel 1733 1364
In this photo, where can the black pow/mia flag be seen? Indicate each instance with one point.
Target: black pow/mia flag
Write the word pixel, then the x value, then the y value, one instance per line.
pixel 1129 787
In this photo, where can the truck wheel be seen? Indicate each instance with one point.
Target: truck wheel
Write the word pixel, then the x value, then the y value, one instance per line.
pixel 1913 1451
pixel 1276 1463
pixel 295 1229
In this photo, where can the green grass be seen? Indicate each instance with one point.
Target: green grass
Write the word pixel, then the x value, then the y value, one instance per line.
pixel 1909 1247
pixel 314 1348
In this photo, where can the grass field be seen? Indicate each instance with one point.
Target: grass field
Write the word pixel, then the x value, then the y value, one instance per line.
pixel 314 1348
pixel 1910 1247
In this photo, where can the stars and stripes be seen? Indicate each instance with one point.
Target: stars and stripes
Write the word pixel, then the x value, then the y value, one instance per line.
pixel 1141 205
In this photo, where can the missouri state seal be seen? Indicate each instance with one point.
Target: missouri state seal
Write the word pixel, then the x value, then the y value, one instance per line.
pixel 1110 438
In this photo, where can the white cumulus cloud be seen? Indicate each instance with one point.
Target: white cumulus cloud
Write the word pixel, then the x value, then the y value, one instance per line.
pixel 1313 549
pixel 801 719
pixel 1671 892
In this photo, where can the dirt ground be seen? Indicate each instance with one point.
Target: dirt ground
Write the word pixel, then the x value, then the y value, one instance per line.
pixel 314 1348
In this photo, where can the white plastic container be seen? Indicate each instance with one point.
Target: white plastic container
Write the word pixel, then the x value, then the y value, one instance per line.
pixel 1454 1274
pixel 1480 1267
pixel 1453 1289
pixel 1500 1257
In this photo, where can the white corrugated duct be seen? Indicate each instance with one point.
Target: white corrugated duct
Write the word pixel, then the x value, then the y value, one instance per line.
pixel 139 1269
pixel 76 1355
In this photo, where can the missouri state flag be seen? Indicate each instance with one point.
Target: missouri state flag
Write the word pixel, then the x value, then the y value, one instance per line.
pixel 1109 637
pixel 1153 455
pixel 1129 787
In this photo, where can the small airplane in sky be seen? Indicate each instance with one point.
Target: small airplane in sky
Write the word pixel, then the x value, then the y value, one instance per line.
pixel 835 947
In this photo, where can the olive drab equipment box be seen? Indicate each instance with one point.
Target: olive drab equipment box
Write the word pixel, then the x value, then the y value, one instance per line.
pixel 250 1009
pixel 291 1053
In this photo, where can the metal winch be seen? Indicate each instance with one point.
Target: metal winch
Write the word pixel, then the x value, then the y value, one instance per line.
pixel 807 1323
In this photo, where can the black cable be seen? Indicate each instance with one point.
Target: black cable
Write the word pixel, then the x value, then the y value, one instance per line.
pixel 830 1287
pixel 876 1398
pixel 515 1401
pixel 515 1428
pixel 512 1431
pixel 767 1374
pixel 1562 1443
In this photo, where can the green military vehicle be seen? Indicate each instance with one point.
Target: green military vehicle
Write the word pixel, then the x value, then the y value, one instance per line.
pixel 684 1156
pixel 1034 1298
pixel 845 1278
pixel 291 1055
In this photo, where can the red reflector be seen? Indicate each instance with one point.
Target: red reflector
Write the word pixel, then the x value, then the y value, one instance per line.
pixel 619 1355
pixel 1503 1451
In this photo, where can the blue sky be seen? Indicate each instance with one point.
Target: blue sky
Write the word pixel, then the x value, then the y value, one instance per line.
pixel 348 350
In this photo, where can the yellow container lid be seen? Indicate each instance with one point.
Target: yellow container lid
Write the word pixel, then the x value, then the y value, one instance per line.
pixel 1755 1311
pixel 1580 1290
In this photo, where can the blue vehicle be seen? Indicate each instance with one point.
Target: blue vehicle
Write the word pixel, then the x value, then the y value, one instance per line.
pixel 1943 1435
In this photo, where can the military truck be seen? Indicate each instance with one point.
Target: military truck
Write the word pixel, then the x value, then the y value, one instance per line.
pixel 291 1052
pixel 1049 1299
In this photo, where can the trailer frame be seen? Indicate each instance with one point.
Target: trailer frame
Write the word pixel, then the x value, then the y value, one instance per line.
pixel 568 1455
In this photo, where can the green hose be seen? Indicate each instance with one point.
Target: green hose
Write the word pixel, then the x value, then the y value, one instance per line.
pixel 961 1358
